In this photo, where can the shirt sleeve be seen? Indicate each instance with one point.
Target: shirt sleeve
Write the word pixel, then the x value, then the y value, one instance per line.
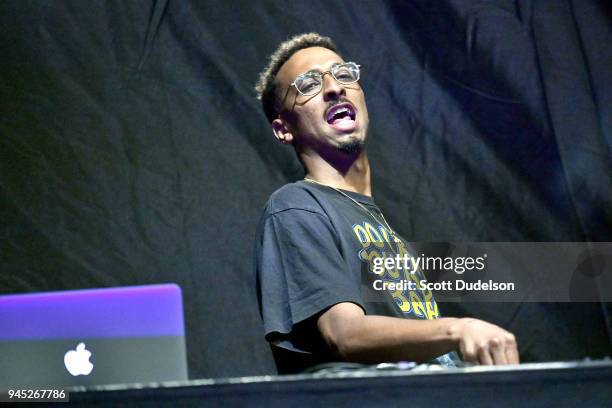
pixel 301 272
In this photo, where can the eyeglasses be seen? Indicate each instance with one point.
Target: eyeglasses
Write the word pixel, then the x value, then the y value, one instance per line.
pixel 311 82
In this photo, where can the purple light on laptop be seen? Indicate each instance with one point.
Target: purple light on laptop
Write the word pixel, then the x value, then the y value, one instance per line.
pixel 152 310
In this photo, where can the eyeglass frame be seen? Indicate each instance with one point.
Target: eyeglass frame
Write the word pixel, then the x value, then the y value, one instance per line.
pixel 322 74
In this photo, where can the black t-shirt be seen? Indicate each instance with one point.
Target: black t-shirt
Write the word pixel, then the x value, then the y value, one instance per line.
pixel 315 248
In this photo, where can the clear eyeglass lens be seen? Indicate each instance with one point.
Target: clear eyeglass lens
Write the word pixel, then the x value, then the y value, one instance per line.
pixel 309 83
pixel 346 73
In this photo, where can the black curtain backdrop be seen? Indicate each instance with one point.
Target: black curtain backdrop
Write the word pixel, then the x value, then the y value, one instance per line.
pixel 133 150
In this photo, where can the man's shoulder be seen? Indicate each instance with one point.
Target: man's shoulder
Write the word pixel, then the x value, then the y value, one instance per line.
pixel 295 196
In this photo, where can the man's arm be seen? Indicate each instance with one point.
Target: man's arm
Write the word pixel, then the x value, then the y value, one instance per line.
pixel 357 337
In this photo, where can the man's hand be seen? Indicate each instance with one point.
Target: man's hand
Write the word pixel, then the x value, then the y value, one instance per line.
pixel 484 343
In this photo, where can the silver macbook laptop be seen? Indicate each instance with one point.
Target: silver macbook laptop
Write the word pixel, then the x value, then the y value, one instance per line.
pixel 92 337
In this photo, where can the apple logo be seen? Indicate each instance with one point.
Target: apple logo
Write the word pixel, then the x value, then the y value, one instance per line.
pixel 77 361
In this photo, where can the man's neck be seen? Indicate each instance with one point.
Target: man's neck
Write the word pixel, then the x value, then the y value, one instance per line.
pixel 354 177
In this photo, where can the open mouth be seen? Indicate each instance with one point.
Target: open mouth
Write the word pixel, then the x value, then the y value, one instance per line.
pixel 341 116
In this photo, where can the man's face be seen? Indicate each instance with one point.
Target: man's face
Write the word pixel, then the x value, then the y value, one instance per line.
pixel 317 123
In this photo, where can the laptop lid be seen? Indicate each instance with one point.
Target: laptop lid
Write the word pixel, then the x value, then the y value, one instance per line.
pixel 92 337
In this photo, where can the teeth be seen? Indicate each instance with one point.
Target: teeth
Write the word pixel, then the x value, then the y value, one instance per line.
pixel 340 110
pixel 337 111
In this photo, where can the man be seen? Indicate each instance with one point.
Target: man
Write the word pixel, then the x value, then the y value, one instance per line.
pixel 318 238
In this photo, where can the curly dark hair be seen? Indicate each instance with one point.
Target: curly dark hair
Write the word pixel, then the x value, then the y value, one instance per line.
pixel 266 87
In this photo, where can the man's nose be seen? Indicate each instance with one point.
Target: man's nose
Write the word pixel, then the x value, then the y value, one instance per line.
pixel 331 88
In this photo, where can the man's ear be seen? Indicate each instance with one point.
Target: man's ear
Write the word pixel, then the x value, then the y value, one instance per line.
pixel 281 132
